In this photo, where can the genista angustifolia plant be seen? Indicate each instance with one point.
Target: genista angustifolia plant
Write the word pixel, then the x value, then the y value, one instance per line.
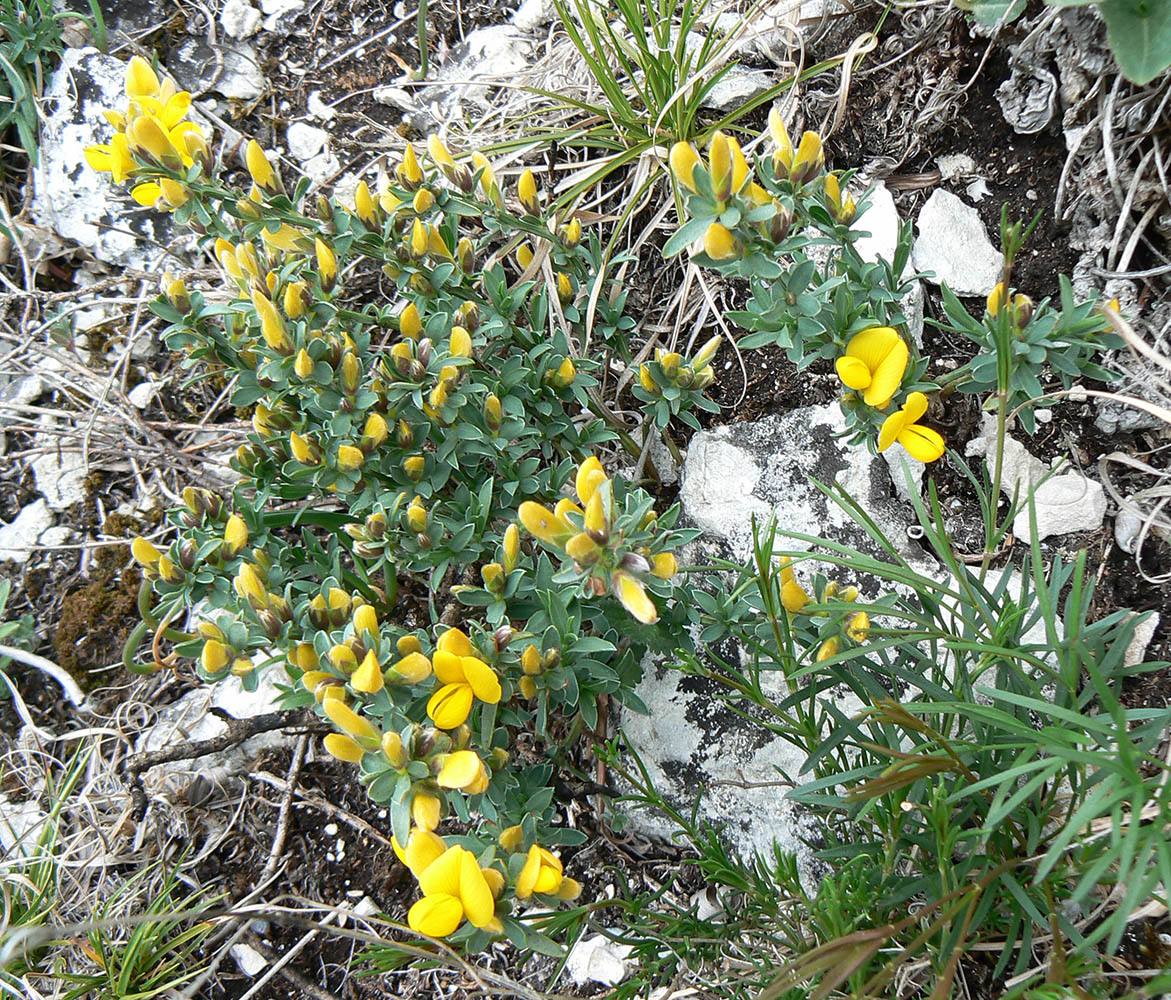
pixel 790 228
pixel 406 462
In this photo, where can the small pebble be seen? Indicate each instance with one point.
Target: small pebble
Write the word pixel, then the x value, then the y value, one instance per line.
pixel 330 829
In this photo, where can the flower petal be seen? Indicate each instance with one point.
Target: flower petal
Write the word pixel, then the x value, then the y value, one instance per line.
pixel 871 346
pixel 922 443
pixel 146 193
pixel 482 678
pixel 474 892
pixel 423 849
pixel 915 406
pixel 435 916
pixel 853 372
pixel 527 878
pixel 449 706
pixel 448 666
pixel 459 769
pixel 888 375
pixel 892 427
pixel 634 599
pixel 442 875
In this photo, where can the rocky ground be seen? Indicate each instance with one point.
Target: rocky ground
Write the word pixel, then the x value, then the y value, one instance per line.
pixel 100 427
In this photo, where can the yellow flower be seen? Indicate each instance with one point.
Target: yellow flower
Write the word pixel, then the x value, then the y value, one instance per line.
pixel 259 168
pixel 361 731
pixel 793 595
pixel 684 159
pixel 375 432
pixel 542 872
pixel 326 264
pixel 365 619
pixel 235 535
pixel 858 628
pixel 874 364
pixel 214 656
pixel 344 748
pixel 463 770
pixel 272 327
pixel 783 145
pixel 145 554
pixel 808 160
pixel 526 190
pixel 921 442
pixel 302 449
pixel 488 182
pixel 410 325
pixel 425 810
pixel 634 598
pixel 464 677
pixel 422 848
pixel 842 211
pixel 368 679
pixel 148 136
pixel 590 475
pixel 454 887
pixel 510 547
pixel 510 838
pixel 828 648
pixel 113 158
pixel 460 345
pixel 409 173
pixel 413 668
pixel 664 565
pixel 141 79
pixel 365 207
pixel 719 243
pixel 544 524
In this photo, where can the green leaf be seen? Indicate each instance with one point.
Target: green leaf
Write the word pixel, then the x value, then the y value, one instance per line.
pixel 991 11
pixel 1139 32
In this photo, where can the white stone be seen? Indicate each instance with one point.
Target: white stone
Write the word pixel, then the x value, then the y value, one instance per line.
pixel 305 141
pixel 954 165
pixel 954 245
pixel 141 395
pixel 395 97
pixel 18 538
pixel 15 393
pixel 240 19
pixel 738 87
pixel 190 719
pixel 597 959
pixel 1063 503
pixel 322 166
pixel 59 534
pixel 366 907
pixel 1144 632
pixel 880 222
pixel 242 78
pixel 318 108
pixel 60 472
pixel 248 959
pixel 72 199
pixel 532 14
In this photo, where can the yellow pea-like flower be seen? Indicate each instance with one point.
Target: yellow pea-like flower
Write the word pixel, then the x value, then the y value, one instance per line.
pixel 526 190
pixel 326 264
pixel 423 201
pixel 303 364
pixel 368 679
pixel 684 159
pixel 365 619
pixel 410 325
pixel 425 810
pixel 272 327
pixel 235 535
pixel 719 243
pixel 259 168
pixel 302 450
pixel 361 730
pixel 214 656
pixel 365 207
pixel 460 345
pixel 664 565
pixel 349 458
pixel 344 748
pixel 633 598
pixel 145 554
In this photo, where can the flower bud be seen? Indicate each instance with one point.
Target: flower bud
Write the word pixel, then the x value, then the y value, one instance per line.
pixel 351 373
pixel 460 345
pixel 417 516
pixel 365 207
pixel 260 169
pixel 494 578
pixel 145 554
pixel 414 466
pixel 465 253
pixel 394 751
pixel 511 547
pixel 303 364
pixel 493 415
pixel 365 620
pixel 582 549
pixel 706 352
pixel 175 290
pixel 367 679
pixel 423 201
pixel 326 265
pixel 502 637
pixel 235 535
pixel 375 433
pixel 526 190
pixel 408 173
pixel 571 234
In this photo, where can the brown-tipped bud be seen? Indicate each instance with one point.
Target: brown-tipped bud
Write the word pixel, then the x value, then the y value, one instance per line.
pixel 169 571
pixel 502 637
pixel 468 316
pixel 465 253
pixel 424 351
pixel 632 562
pixel 551 658
pixel 269 622
pixel 187 554
pixel 779 225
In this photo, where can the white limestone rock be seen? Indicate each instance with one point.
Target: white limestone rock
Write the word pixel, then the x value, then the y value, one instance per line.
pixel 738 87
pixel 954 245
pixel 60 471
pixel 69 197
pixel 1064 503
pixel 240 19
pixel 248 960
pixel 691 742
pixel 231 70
pixel 18 538
pixel 305 141
pixel 597 959
pixel 190 719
